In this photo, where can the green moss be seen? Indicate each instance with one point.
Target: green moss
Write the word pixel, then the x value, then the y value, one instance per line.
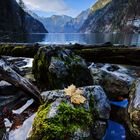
pixel 91 102
pixel 77 59
pixel 5 49
pixel 39 64
pixel 63 125
pixel 17 50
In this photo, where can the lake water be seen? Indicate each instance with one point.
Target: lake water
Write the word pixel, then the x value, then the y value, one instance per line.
pixel 66 38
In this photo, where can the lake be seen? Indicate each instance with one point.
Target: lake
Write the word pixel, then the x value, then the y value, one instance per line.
pixel 66 38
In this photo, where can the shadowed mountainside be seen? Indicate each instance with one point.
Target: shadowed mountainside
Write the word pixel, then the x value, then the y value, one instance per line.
pixel 14 19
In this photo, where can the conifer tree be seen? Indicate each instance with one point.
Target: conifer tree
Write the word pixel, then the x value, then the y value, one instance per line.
pixel 22 14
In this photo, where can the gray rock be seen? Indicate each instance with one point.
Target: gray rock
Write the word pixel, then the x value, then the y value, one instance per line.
pixel 58 68
pixel 114 79
pixel 82 135
pixel 101 102
pixel 96 75
pixel 54 109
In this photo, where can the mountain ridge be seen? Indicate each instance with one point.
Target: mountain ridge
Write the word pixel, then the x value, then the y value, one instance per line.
pixel 62 23
pixel 115 16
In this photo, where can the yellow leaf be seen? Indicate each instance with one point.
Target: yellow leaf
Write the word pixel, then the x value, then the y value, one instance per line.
pixel 75 94
pixel 70 90
pixel 78 99
pixel 78 91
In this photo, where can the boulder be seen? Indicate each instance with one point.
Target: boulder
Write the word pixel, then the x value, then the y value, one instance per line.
pixel 61 119
pixel 133 110
pixel 114 79
pixel 55 68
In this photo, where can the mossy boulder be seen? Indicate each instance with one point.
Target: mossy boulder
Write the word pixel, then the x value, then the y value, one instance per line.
pixel 133 110
pixel 59 119
pixel 55 68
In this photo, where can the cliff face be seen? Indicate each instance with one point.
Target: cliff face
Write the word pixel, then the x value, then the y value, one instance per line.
pixel 74 24
pixel 14 19
pixel 114 16
pixel 56 23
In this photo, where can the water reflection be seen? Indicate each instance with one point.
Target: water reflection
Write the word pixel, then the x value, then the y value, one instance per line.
pixel 123 103
pixel 21 38
pixel 115 131
pixel 126 39
pixel 65 38
pixel 23 131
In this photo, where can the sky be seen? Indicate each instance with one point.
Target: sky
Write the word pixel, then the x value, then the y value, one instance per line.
pixel 48 8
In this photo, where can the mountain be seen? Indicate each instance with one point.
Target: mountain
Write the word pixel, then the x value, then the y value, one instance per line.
pixel 14 19
pixel 113 16
pixel 55 23
pixel 74 24
pixel 62 23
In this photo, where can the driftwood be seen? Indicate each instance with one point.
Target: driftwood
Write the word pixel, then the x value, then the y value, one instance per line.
pixel 128 56
pixel 104 53
pixel 9 75
pixel 30 49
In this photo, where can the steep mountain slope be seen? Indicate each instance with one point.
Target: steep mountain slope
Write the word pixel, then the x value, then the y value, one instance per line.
pixel 74 24
pixel 14 19
pixel 55 23
pixel 113 16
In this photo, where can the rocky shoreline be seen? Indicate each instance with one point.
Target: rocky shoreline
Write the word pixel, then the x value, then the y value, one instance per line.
pixel 52 71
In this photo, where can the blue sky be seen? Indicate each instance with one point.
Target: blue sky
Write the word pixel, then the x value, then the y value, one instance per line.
pixel 58 7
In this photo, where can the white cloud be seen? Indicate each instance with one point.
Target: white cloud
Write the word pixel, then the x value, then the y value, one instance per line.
pixel 56 6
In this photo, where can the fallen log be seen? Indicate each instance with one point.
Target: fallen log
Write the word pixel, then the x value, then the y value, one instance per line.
pixel 18 50
pixel 30 49
pixel 128 56
pixel 9 75
pixel 104 53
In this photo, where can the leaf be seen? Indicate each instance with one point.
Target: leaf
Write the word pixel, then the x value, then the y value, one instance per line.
pixel 75 94
pixel 70 90
pixel 78 91
pixel 78 99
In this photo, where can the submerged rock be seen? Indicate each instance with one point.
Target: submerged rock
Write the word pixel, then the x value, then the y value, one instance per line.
pixel 60 119
pixel 57 68
pixel 133 111
pixel 114 79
